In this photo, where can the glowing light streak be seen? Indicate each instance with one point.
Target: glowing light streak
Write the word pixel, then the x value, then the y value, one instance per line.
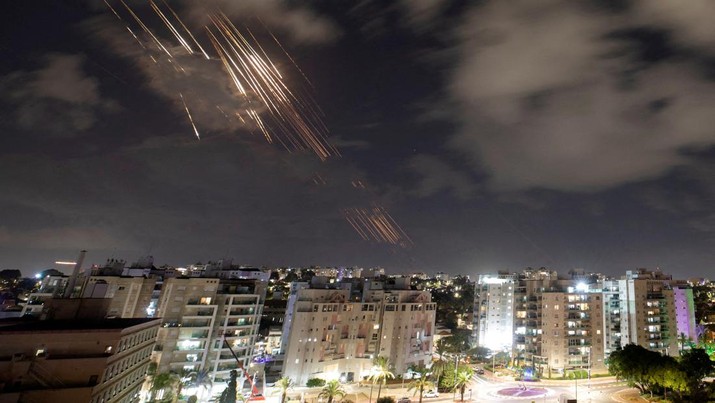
pixel 191 120
pixel 146 29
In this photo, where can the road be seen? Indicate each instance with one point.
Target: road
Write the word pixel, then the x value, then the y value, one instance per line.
pixel 485 388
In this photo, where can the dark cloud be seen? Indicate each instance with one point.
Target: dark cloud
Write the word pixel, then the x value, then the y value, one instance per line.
pixel 436 176
pixel 58 99
pixel 542 101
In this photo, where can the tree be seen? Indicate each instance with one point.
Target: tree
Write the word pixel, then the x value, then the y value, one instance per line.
pixel 283 385
pixel 695 365
pixel 633 364
pixel 9 277
pixel 442 347
pixel 229 394
pixel 381 368
pixel 420 384
pixel 462 380
pixel 315 382
pixel 164 382
pixel 438 369
pixel 201 380
pixel 480 353
pixel 331 390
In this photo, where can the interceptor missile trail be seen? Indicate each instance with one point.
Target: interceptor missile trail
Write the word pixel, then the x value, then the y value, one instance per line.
pixel 260 98
pixel 189 115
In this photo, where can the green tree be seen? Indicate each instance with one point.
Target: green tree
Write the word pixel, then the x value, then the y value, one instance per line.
pixel 696 365
pixel 438 369
pixel 229 394
pixel 315 382
pixel 442 347
pixel 166 382
pixel 420 384
pixel 381 373
pixel 201 380
pixel 462 380
pixel 331 390
pixel 283 385
pixel 633 364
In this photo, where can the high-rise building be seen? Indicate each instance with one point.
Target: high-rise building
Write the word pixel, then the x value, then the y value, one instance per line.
pixel 648 311
pixel 203 319
pixel 335 330
pixel 494 311
pixel 572 330
pixel 575 322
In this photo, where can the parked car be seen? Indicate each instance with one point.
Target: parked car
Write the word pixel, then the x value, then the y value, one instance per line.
pixel 431 393
pixel 480 371
pixel 404 400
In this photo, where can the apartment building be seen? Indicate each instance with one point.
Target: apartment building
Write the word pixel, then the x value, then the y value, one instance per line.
pixel 203 319
pixel 572 330
pixel 93 361
pixel 575 322
pixel 493 324
pixel 528 289
pixel 648 311
pixel 611 316
pixel 336 329
pixel 130 297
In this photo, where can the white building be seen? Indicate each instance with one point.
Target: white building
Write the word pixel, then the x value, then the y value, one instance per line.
pixel 336 329
pixel 494 311
pixel 200 316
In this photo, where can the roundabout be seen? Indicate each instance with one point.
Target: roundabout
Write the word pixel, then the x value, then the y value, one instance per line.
pixel 522 392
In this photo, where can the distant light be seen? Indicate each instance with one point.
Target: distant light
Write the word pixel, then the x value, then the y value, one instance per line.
pixel 582 287
pixel 66 263
pixel 38 275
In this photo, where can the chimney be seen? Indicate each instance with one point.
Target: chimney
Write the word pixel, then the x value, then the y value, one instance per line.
pixel 73 278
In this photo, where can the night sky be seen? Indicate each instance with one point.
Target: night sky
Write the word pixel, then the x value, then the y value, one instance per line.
pixel 498 134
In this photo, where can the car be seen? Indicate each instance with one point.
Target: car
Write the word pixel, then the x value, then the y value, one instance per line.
pixel 404 400
pixel 480 371
pixel 431 393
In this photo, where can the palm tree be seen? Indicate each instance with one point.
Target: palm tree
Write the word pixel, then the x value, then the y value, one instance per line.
pixel 442 347
pixel 165 381
pixel 381 368
pixel 438 369
pixel 420 384
pixel 283 385
pixel 201 380
pixel 464 377
pixel 331 390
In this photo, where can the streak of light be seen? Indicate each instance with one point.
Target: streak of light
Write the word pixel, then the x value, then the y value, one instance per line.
pixel 146 29
pixel 186 29
pixel 287 54
pixel 318 179
pixel 65 263
pixel 376 224
pixel 135 37
pixel 113 10
pixel 189 115
pixel 171 27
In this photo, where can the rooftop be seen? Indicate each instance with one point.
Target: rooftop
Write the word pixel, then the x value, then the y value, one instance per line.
pixel 33 325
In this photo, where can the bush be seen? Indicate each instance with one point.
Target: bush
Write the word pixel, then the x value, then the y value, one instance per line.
pixel 193 399
pixel 315 383
pixel 386 399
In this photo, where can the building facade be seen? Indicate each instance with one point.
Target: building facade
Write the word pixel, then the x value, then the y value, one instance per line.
pixel 203 319
pixel 494 311
pixel 75 361
pixel 336 330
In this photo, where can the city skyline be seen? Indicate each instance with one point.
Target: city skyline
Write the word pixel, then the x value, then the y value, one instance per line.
pixel 486 152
